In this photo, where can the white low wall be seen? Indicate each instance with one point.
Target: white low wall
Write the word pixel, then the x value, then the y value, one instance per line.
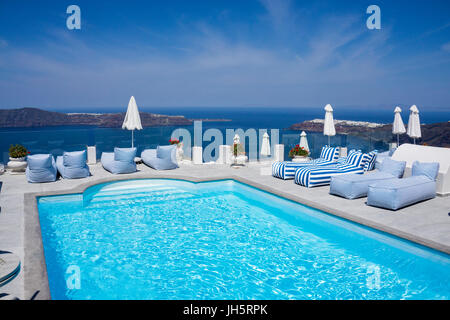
pixel 279 152
pixel 91 155
pixel 225 155
pixel 410 153
pixel 197 155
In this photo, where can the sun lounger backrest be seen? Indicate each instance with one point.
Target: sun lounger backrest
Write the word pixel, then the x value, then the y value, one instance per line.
pixel 410 153
pixel 39 161
pixel 355 159
pixel 370 160
pixel 329 153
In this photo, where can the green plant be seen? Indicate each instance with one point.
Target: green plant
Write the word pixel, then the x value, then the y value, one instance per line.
pixel 18 151
pixel 238 149
pixel 298 151
pixel 174 141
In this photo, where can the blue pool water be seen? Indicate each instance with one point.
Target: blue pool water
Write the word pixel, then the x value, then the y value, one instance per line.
pixel 171 239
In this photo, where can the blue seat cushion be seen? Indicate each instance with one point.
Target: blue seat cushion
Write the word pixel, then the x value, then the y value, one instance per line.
pixel 124 154
pixel 399 193
pixel 41 168
pixel 75 159
pixel 71 172
pixel 380 158
pixel 160 164
pixel 165 152
pixel 117 167
pixel 396 168
pixel 149 157
pixel 428 169
pixel 352 186
pixel 39 161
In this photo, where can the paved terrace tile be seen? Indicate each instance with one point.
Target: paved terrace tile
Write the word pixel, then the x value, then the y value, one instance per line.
pixel 427 223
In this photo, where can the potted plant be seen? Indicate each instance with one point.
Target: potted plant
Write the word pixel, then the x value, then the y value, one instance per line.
pixel 298 153
pixel 17 155
pixel 239 157
pixel 238 149
pixel 17 152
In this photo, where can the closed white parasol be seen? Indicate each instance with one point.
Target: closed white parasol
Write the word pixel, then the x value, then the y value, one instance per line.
pixel 414 123
pixel 328 125
pixel 304 141
pixel 265 145
pixel 132 119
pixel 398 127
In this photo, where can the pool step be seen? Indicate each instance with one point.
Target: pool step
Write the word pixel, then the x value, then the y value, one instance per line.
pixel 112 199
pixel 140 196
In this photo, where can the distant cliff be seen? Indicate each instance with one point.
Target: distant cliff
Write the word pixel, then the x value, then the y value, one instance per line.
pixel 33 117
pixel 435 134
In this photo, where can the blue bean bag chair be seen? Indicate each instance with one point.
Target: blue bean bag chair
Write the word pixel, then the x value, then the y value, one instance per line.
pixel 119 161
pixel 161 158
pixel 41 168
pixel 352 186
pixel 399 193
pixel 72 165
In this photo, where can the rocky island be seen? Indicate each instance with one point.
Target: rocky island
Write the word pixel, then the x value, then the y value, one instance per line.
pixel 33 117
pixel 434 134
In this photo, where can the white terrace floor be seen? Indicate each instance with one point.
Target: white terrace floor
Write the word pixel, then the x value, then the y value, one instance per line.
pixel 426 223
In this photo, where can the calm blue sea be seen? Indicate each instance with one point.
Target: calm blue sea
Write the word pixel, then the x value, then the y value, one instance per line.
pixel 55 140
pixel 283 117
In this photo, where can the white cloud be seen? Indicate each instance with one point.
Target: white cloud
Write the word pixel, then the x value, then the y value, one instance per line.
pixel 278 11
pixel 446 47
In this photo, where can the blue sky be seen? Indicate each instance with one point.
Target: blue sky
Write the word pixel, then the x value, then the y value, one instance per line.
pixel 224 53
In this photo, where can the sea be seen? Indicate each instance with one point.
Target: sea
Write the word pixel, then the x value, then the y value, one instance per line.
pixel 58 139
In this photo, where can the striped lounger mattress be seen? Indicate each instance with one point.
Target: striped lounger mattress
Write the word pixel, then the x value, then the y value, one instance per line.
pixel 320 176
pixel 286 169
pixel 314 176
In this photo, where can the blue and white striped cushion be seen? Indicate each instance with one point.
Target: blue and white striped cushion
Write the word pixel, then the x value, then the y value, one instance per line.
pixel 286 169
pixel 329 153
pixel 370 160
pixel 320 176
pixel 354 159
pixel 350 153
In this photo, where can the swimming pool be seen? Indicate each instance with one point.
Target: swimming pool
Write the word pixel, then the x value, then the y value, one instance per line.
pixel 173 239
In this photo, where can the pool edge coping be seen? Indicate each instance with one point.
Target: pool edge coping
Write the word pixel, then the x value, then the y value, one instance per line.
pixel 36 278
